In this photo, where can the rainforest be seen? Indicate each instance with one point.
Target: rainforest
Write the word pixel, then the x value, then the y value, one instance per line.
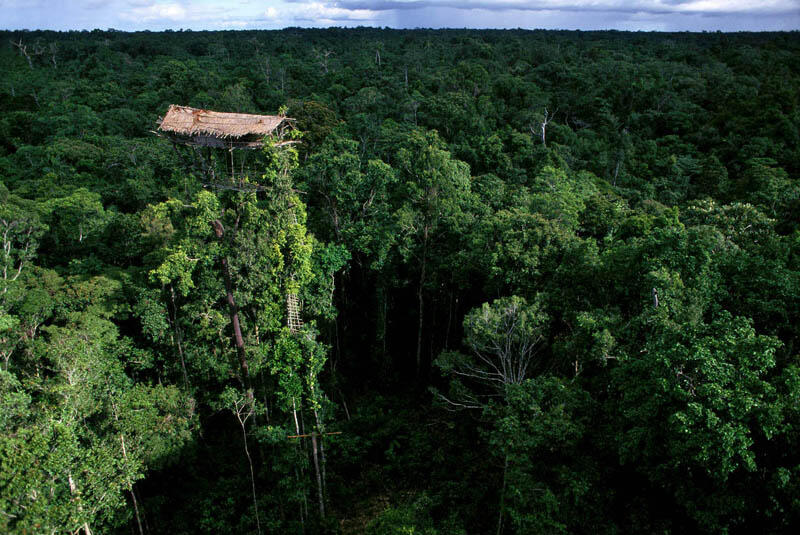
pixel 483 281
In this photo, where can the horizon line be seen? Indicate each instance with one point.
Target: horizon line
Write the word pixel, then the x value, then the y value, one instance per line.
pixel 390 28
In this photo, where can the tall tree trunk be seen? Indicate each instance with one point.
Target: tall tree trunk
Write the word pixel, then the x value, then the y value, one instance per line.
pixel 130 485
pixel 297 472
pixel 449 322
pixel 252 474
pixel 178 335
pixel 233 311
pixel 321 451
pixel 303 505
pixel 421 300
pixel 384 311
pixel 502 498
pixel 319 465
pixel 73 490
pixel 318 474
pixel 143 511
pixel 294 413
pixel 136 510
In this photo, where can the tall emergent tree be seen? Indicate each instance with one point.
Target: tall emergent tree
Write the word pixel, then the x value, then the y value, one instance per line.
pixel 238 270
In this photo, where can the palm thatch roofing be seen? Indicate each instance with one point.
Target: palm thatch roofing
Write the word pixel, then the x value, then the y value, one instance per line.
pixel 198 123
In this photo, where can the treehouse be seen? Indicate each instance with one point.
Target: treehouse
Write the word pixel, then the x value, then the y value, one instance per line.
pixel 205 132
pixel 218 130
pixel 213 140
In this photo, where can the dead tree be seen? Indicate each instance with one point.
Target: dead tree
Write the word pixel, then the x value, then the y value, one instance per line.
pixel 322 57
pixel 53 50
pixel 23 50
pixel 539 128
pixel 266 69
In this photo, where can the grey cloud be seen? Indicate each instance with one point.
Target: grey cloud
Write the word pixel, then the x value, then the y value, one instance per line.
pixel 595 20
pixel 338 18
pixel 390 5
pixel 334 17
pixel 667 15
pixel 656 7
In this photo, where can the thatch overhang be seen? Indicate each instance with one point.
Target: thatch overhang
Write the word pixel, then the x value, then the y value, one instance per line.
pixel 208 128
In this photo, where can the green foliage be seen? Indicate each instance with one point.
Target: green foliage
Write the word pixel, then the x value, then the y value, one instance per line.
pixel 538 436
pixel 709 388
pixel 411 518
pixel 634 197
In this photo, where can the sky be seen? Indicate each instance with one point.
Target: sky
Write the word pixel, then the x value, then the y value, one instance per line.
pixel 645 15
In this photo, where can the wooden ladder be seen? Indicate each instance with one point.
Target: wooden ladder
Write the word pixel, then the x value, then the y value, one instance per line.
pixel 293 313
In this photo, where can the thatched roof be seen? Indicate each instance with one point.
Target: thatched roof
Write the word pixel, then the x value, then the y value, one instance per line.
pixel 186 121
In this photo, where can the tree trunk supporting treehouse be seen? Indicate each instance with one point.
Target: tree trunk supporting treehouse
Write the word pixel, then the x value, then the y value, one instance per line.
pixel 233 311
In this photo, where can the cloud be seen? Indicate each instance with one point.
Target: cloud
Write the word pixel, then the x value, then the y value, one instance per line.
pixel 672 15
pixel 328 11
pixel 622 6
pixel 156 12
pixel 662 15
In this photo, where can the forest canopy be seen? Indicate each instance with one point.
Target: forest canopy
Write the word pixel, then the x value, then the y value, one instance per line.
pixel 488 282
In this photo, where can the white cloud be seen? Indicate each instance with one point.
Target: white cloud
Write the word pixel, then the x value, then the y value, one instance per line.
pixel 328 11
pixel 156 12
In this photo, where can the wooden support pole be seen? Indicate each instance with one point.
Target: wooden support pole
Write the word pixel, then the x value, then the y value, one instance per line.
pixel 315 434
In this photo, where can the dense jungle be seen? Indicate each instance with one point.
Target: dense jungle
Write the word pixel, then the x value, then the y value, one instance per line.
pixel 549 282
